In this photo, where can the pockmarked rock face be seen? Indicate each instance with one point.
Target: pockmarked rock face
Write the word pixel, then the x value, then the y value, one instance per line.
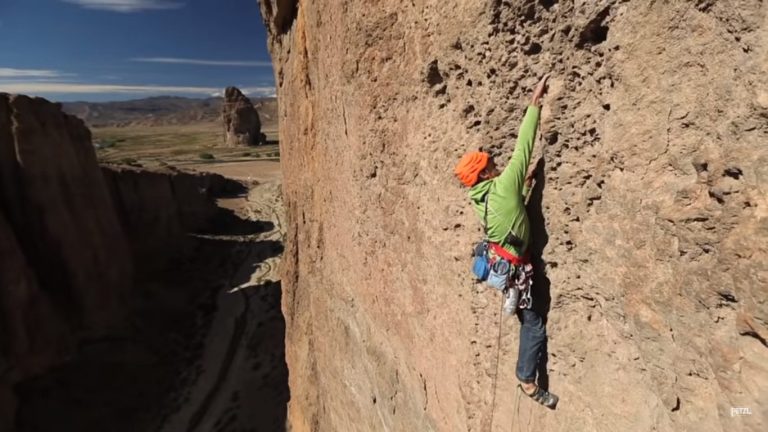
pixel 242 126
pixel 650 218
pixel 65 265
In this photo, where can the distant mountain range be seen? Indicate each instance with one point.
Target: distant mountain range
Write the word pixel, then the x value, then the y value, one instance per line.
pixel 162 111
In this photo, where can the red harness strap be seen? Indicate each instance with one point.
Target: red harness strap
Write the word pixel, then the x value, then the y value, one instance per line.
pixel 516 260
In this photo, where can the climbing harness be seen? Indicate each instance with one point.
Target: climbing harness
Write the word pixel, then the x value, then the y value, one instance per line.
pixel 501 270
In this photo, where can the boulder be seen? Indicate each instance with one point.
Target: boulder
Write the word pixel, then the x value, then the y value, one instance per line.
pixel 242 126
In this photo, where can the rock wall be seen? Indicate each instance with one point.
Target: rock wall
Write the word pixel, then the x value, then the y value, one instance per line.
pixel 65 266
pixel 159 209
pixel 650 215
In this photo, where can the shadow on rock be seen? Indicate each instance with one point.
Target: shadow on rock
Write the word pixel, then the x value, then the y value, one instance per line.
pixel 542 298
pixel 226 222
pixel 266 401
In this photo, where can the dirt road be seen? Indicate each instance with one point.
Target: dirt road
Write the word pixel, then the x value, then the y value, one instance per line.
pixel 242 384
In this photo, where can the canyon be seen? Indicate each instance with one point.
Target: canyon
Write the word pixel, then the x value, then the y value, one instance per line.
pixel 132 299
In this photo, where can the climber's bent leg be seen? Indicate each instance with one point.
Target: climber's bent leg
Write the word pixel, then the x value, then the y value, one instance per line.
pixel 533 338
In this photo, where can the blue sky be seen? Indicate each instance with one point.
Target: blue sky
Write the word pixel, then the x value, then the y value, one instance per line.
pixel 98 50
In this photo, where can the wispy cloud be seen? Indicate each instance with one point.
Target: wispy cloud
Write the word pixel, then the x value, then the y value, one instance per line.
pixel 29 73
pixel 202 62
pixel 64 88
pixel 36 88
pixel 127 6
pixel 251 91
pixel 259 91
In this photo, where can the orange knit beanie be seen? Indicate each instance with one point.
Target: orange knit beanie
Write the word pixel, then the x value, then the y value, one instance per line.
pixel 469 167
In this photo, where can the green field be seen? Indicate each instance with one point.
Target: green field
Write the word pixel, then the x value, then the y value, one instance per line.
pixel 175 145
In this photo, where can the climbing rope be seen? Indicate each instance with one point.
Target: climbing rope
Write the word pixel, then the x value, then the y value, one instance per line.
pixel 498 355
pixel 530 416
pixel 517 411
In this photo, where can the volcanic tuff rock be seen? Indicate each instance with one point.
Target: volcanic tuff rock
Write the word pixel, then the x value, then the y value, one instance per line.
pixel 650 216
pixel 241 120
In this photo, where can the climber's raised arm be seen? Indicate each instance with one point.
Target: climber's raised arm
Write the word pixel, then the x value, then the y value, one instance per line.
pixel 539 91
pixel 531 176
pixel 512 180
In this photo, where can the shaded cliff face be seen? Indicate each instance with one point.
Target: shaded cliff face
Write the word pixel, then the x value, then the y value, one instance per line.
pixel 649 217
pixel 65 267
pixel 159 209
pixel 61 240
pixel 98 261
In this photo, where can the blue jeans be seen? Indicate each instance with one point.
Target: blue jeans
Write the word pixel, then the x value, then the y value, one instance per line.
pixel 533 345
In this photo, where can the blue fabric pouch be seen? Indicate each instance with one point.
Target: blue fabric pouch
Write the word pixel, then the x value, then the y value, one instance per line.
pixel 499 274
pixel 481 265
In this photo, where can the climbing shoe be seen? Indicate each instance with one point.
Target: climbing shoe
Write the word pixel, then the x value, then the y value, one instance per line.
pixel 542 396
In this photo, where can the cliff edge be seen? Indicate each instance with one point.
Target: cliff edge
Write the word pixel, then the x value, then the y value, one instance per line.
pixel 65 265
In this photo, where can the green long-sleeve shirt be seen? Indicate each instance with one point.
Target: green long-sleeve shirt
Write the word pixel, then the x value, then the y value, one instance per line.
pixel 506 199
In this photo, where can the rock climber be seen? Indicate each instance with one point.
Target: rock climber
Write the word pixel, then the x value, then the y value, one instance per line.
pixel 499 200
